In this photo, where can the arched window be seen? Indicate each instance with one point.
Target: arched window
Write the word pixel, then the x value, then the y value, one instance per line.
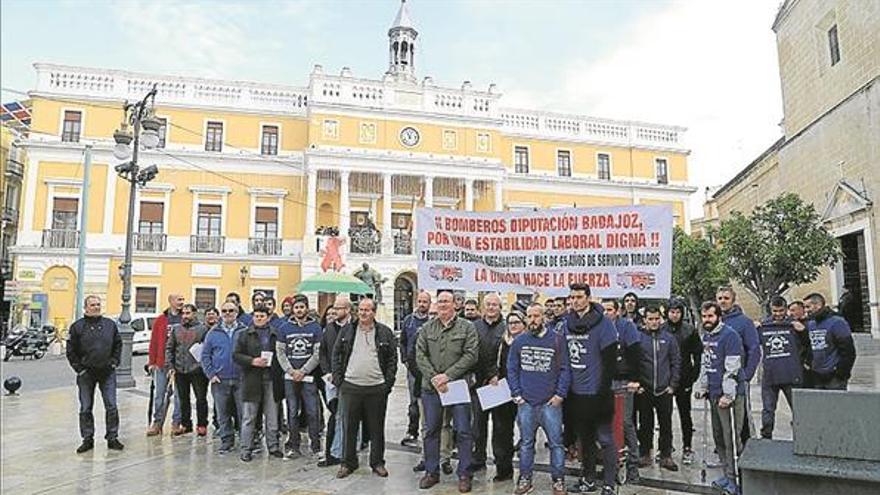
pixel 403 53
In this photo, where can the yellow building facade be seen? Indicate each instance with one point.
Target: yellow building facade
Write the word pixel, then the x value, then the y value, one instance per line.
pixel 252 175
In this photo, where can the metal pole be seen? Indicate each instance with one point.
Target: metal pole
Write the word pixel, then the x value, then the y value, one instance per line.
pixel 83 222
pixel 124 378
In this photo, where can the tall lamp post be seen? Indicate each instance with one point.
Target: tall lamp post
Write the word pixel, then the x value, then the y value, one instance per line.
pixel 145 133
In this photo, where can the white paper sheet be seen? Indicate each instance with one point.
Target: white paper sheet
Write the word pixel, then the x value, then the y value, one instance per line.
pixel 456 394
pixel 196 351
pixel 494 395
pixel 331 391
pixel 267 355
pixel 306 379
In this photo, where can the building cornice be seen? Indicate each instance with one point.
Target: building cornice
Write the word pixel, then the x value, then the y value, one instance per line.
pixel 404 163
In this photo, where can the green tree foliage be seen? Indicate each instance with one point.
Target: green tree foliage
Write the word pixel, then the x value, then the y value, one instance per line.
pixel 782 244
pixel 697 269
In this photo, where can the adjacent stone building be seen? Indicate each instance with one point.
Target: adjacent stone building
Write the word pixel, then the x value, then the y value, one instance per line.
pixel 829 64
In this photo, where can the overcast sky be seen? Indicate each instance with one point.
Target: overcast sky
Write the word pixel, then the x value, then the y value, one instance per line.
pixel 707 65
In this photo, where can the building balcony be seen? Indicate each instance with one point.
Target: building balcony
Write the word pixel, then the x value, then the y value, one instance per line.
pixel 14 169
pixel 264 245
pixel 403 243
pixel 60 239
pixel 150 242
pixel 206 244
pixel 365 240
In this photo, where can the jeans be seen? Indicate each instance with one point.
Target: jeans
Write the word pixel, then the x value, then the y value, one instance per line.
pixel 722 432
pixel 85 383
pixel 302 394
pixel 683 403
pixel 199 384
pixel 549 418
pixel 413 385
pixel 594 414
pixel 160 379
pixel 769 399
pixel 250 410
pixel 629 428
pixel 339 429
pixel 647 403
pixel 503 419
pixel 227 399
pixel 369 405
pixel 461 418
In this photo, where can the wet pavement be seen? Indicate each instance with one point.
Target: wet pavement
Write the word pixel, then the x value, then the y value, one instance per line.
pixel 39 436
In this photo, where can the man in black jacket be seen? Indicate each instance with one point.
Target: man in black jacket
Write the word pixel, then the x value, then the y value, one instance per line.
pixel 690 346
pixel 94 348
pixel 364 369
pixel 490 328
pixel 335 434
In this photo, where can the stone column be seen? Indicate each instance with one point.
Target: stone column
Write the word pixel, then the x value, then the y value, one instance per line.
pixel 469 194
pixel 429 191
pixel 344 204
pixel 311 211
pixel 387 241
pixel 499 195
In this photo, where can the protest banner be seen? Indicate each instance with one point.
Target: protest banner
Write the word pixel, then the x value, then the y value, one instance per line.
pixel 615 250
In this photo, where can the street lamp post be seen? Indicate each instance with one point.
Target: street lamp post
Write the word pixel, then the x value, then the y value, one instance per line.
pixel 139 115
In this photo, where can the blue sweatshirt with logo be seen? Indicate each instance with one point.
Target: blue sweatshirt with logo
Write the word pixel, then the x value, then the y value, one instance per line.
pixel 721 371
pixel 783 352
pixel 834 352
pixel 592 351
pixel 537 367
pixel 299 340
pixel 745 327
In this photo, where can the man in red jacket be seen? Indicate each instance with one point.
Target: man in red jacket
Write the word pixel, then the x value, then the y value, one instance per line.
pixel 156 362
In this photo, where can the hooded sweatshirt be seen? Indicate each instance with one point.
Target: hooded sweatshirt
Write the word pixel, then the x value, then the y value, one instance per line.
pixel 784 352
pixel 721 370
pixel 537 367
pixel 744 326
pixel 592 351
pixel 834 352
pixel 690 347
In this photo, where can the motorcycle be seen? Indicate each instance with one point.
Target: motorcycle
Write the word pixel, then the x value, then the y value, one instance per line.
pixel 25 342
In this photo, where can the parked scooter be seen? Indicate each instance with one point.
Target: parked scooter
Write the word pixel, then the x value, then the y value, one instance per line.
pixel 25 342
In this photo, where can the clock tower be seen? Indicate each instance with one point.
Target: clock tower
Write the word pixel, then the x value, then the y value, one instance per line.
pixel 402 46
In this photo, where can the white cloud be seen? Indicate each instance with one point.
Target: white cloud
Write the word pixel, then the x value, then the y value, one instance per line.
pixel 709 66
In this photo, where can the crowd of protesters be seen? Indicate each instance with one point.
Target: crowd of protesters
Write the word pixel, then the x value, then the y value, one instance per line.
pixel 572 365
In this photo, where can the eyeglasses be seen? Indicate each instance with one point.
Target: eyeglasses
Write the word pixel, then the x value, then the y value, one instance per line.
pixel 228 311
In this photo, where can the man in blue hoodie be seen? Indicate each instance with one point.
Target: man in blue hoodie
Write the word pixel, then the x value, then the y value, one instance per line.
pixel 409 330
pixel 787 351
pixel 722 384
pixel 538 376
pixel 298 350
pixel 592 352
pixel 834 352
pixel 661 371
pixel 223 373
pixel 732 316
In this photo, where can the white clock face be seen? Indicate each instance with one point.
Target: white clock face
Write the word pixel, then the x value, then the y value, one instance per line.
pixel 409 136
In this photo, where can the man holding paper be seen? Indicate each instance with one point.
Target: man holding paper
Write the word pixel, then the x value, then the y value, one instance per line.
pixel 446 351
pixel 539 377
pixel 253 352
pixel 185 369
pixel 298 347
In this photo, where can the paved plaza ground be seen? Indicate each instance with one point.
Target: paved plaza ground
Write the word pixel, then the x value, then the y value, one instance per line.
pixel 39 435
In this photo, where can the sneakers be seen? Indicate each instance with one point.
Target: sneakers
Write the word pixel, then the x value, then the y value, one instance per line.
pixel 246 456
pixel 559 487
pixel 154 430
pixel 446 467
pixel 523 486
pixel 429 480
pixel 584 486
pixel 225 449
pixel 418 468
pixel 201 431
pixel 668 463
pixel 687 457
pixel 115 444
pixel 607 490
pixel 86 445
pixel 410 440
